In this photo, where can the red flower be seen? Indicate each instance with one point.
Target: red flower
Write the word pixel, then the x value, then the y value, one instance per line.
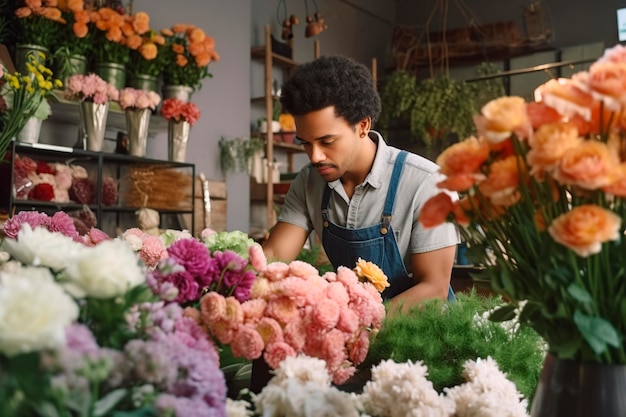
pixel 41 192
pixel 173 108
pixel 44 168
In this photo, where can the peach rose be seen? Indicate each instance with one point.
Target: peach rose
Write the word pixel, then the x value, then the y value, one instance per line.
pixel 587 165
pixel 609 80
pixel 540 114
pixel 460 182
pixel 566 97
pixel 617 186
pixel 585 228
pixel 503 181
pixel 501 117
pixel 548 145
pixel 466 156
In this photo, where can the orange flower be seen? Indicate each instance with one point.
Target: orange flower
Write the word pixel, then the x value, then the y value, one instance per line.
pixel 141 22
pixel 460 182
pixel 540 114
pixel 196 35
pixel 134 41
pixel 502 182
pixel 181 60
pixel 501 117
pixel 585 228
pixel 617 185
pixel 466 156
pixel 148 51
pixel 548 145
pixel 587 165
pixel 609 79
pixel 565 97
pixel 436 210
pixel 370 272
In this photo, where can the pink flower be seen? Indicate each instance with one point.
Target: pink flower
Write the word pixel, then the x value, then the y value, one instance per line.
pixel 138 99
pixel 337 292
pixel 62 222
pixel 348 321
pixel 295 333
pixel 276 271
pixel 33 218
pixel 333 347
pixel 152 250
pixel 276 352
pixel 178 110
pixel 357 350
pixel 247 343
pixel 95 236
pixel 234 312
pixel 257 257
pixel 342 374
pixel 326 313
pixel 253 310
pixel 270 330
pixel 295 288
pixel 90 87
pixel 212 307
pixel 346 276
pixel 283 309
pixel 302 269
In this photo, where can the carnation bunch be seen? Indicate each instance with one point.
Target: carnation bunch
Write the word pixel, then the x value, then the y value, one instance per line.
pixel 178 110
pixel 293 310
pixel 133 98
pixel 190 51
pixel 544 198
pixel 90 87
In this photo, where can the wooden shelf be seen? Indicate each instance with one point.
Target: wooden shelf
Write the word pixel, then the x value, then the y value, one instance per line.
pixel 258 52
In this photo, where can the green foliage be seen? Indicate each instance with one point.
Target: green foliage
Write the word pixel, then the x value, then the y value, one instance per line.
pixel 445 335
pixel 236 153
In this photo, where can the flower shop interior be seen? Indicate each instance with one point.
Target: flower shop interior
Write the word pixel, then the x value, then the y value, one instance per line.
pixel 175 165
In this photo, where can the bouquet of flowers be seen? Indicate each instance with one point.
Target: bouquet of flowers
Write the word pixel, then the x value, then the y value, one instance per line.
pixel 77 33
pixel 544 201
pixel 39 23
pixel 25 93
pixel 117 33
pixel 90 87
pixel 178 110
pixel 149 57
pixel 81 334
pixel 132 98
pixel 190 51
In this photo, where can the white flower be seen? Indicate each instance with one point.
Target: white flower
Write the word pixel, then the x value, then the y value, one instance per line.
pixel 41 247
pixel 302 368
pixel 487 392
pixel 34 311
pixel 106 270
pixel 237 408
pixel 401 389
pixel 4 256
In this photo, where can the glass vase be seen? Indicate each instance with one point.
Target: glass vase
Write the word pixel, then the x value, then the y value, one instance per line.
pixel 178 136
pixel 137 123
pixel 580 389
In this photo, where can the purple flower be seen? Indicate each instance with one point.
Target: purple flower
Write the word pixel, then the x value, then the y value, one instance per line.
pixel 80 339
pixel 33 218
pixel 188 407
pixel 191 254
pixel 188 288
pixel 234 278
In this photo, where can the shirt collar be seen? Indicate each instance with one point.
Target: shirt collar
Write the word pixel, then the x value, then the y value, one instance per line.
pixel 375 177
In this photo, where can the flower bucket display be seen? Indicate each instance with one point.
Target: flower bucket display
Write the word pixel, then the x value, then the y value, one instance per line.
pixel 30 131
pixel 177 137
pixel 180 92
pixel 137 123
pixel 93 123
pixel 142 82
pixel 22 52
pixel 112 73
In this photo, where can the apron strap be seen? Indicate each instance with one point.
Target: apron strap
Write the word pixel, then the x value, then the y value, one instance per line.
pixel 325 200
pixel 391 193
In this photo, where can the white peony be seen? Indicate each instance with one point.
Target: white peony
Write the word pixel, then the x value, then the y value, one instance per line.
pixel 107 270
pixel 34 311
pixel 41 247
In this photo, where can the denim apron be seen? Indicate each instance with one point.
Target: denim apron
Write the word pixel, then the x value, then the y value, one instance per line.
pixel 376 243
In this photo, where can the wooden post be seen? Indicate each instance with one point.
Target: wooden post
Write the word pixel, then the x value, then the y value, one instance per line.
pixel 269 137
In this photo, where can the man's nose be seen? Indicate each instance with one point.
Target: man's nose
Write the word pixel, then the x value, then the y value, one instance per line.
pixel 316 154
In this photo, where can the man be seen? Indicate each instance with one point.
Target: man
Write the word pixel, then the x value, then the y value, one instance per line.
pixel 361 196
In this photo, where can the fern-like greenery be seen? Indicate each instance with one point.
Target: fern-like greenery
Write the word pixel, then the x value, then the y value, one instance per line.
pixel 445 335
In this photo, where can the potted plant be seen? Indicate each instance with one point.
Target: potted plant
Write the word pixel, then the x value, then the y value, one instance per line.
pixel 236 153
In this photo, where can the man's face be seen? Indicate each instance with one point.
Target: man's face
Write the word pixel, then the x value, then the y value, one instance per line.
pixel 330 142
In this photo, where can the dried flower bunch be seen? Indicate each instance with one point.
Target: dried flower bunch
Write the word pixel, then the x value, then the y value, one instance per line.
pixel 544 198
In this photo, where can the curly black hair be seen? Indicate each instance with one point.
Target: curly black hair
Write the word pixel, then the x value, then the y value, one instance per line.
pixel 332 81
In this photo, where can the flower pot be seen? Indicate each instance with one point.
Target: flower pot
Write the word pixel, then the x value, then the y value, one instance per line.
pixel 142 82
pixel 580 389
pixel 93 122
pixel 30 131
pixel 112 73
pixel 22 51
pixel 263 126
pixel 65 67
pixel 137 123
pixel 181 92
pixel 178 136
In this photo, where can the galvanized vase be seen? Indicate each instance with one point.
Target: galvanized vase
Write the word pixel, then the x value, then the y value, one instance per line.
pixel 178 136
pixel 137 124
pixel 93 122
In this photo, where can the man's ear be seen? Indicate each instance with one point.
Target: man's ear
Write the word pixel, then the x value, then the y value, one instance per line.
pixel 363 127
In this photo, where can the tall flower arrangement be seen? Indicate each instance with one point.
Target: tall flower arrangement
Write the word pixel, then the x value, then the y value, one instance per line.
pixel 190 51
pixel 177 110
pixel 544 201
pixel 25 93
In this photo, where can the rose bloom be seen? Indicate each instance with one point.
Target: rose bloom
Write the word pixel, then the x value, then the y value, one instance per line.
pixel 500 117
pixel 565 96
pixel 548 145
pixel 617 186
pixel 34 311
pixel 585 228
pixel 436 210
pixel 503 180
pixel 372 273
pixel 106 270
pixel 609 79
pixel 587 165
pixel 540 114
pixel 465 157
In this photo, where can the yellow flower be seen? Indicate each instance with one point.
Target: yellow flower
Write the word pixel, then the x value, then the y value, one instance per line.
pixel 370 272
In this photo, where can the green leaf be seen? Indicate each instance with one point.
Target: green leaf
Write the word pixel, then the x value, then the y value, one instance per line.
pixel 140 412
pixel 504 313
pixel 598 332
pixel 579 294
pixel 106 403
